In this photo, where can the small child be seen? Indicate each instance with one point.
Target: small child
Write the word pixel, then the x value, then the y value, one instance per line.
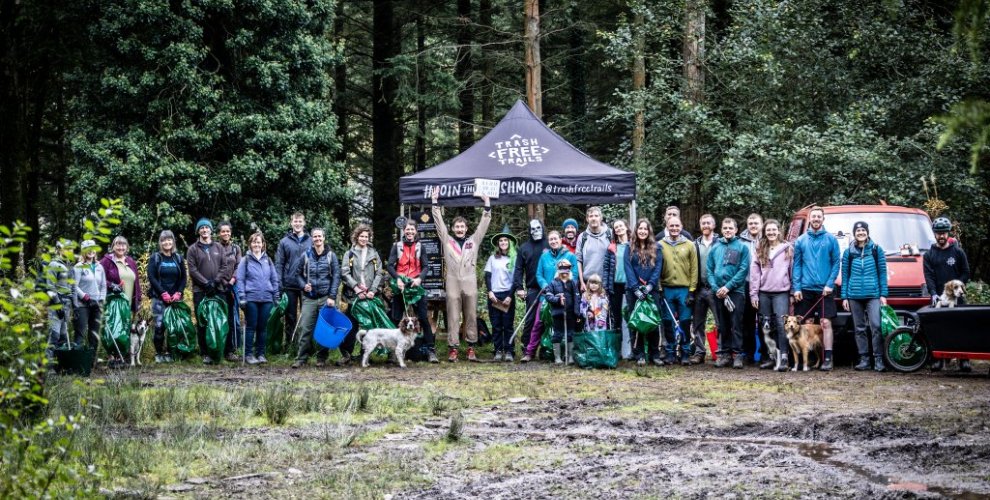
pixel 562 294
pixel 594 305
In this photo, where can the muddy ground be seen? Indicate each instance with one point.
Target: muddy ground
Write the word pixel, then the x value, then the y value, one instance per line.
pixel 537 431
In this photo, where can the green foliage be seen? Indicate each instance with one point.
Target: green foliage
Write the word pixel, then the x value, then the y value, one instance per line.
pixel 214 108
pixel 977 292
pixel 37 452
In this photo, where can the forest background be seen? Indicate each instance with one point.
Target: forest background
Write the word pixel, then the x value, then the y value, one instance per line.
pixel 250 109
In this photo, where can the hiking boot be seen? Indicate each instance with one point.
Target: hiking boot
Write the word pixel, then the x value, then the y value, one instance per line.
pixel 321 363
pixel 251 360
pixel 766 364
pixel 965 366
pixel 685 360
pixel 207 360
pixel 878 364
pixel 498 356
pixel 232 357
pixel 668 360
pixel 783 363
pixel 508 357
pixel 432 356
pixel 452 355
pixel 159 358
pixel 526 358
pixel 168 358
pixel 297 364
pixel 659 362
pixel 262 360
pixel 738 363
pixel 343 361
pixel 640 361
pixel 722 362
pixel 937 365
pixel 864 364
pixel 556 355
pixel 697 359
pixel 826 365
pixel 471 356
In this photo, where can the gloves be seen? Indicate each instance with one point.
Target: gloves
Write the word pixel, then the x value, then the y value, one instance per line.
pixel 166 298
pixel 731 306
pixel 86 299
pixel 177 297
pixel 115 288
pixel 934 300
pixel 690 300
pixel 647 289
pixel 60 314
pixel 639 294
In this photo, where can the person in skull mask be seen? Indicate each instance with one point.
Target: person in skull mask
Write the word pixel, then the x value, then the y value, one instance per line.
pixel 527 259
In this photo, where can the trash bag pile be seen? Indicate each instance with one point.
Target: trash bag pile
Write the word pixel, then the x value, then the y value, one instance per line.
pixel 180 333
pixel 213 313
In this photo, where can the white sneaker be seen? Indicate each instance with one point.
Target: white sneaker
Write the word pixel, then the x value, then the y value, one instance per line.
pixel 251 360
pixel 159 358
pixel 262 360
pixel 498 356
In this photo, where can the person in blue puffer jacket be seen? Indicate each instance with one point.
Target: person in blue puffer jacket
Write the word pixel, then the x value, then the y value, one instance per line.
pixel 546 271
pixel 643 263
pixel 728 267
pixel 864 290
pixel 816 266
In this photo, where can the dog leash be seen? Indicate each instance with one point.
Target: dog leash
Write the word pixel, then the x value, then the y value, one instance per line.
pixel 813 306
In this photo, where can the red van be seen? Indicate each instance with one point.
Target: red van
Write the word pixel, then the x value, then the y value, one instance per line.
pixel 904 234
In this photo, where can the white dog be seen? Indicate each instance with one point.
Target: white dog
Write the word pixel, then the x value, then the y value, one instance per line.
pixel 138 332
pixel 398 340
pixel 768 339
pixel 954 290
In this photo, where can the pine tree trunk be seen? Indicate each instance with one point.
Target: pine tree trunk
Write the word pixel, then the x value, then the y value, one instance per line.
pixel 694 91
pixel 462 71
pixel 386 131
pixel 342 213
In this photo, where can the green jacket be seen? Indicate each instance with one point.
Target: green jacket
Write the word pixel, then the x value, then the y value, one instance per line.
pixel 680 263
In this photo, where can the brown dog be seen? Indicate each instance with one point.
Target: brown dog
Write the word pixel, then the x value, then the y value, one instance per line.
pixel 803 337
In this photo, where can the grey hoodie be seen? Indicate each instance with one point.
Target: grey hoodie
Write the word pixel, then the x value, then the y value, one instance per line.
pixel 591 251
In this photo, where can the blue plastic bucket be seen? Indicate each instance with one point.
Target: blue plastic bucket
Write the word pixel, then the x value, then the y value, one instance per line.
pixel 331 327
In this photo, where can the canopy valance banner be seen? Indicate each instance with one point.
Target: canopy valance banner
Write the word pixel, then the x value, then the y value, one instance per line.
pixel 532 164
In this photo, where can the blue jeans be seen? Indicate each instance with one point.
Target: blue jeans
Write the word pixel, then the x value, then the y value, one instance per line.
pixel 256 323
pixel 864 310
pixel 676 297
pixel 775 305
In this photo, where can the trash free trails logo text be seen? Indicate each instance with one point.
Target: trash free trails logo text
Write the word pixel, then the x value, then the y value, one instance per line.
pixel 518 151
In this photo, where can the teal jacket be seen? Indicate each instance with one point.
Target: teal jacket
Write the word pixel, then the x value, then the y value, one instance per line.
pixel 816 261
pixel 728 265
pixel 547 269
pixel 864 277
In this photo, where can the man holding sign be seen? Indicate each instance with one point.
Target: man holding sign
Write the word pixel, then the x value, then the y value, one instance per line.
pixel 460 255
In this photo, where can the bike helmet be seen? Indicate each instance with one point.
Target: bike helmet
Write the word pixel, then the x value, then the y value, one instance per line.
pixel 941 225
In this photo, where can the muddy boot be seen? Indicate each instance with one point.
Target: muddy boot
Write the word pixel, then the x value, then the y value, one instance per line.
pixel 864 364
pixel 556 354
pixel 878 364
pixel 570 353
pixel 783 363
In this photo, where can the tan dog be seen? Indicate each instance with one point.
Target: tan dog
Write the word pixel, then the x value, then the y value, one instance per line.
pixel 953 291
pixel 803 337
pixel 398 340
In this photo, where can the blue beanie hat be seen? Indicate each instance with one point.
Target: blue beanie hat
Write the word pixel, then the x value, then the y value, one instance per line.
pixel 569 222
pixel 204 222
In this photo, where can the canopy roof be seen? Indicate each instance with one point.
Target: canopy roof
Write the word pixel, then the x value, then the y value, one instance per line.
pixel 532 163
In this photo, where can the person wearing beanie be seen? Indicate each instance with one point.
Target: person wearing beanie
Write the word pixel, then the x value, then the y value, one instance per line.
pixel 167 277
pixel 207 268
pixel 569 235
pixel 863 291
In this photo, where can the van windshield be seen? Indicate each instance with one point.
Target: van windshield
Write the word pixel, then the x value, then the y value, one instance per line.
pixel 889 230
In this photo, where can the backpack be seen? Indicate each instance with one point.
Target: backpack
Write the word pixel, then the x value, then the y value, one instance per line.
pixel 583 237
pixel 398 249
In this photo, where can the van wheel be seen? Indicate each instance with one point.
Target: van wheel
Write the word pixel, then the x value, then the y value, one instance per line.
pixel 904 350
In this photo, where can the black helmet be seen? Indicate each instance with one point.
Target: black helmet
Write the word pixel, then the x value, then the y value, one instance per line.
pixel 941 225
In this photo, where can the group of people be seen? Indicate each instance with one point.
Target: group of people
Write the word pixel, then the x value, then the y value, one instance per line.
pixel 587 279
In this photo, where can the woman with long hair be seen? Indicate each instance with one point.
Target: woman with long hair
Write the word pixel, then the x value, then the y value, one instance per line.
pixel 770 285
pixel 614 281
pixel 361 272
pixel 501 302
pixel 642 264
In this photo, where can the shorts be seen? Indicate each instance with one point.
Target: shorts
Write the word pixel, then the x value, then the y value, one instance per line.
pixel 810 307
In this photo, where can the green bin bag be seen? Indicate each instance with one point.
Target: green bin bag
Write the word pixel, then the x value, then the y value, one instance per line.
pixel 889 321
pixel 546 336
pixel 644 317
pixel 410 294
pixel 276 326
pixel 180 333
pixel 598 349
pixel 115 333
pixel 213 313
pixel 370 313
